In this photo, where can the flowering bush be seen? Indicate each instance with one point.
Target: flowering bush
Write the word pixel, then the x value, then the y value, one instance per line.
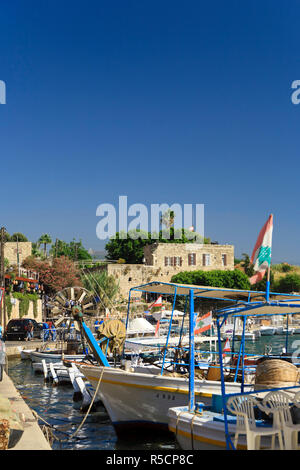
pixel 56 276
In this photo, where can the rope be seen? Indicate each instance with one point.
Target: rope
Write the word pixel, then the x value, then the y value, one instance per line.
pixel 49 426
pixel 89 408
pixel 192 430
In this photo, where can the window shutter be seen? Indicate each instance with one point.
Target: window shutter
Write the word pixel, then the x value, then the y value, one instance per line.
pixel 203 260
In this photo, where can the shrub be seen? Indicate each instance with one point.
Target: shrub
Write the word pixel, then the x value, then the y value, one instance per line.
pixel 235 279
pixel 282 267
pixel 289 283
pixel 8 306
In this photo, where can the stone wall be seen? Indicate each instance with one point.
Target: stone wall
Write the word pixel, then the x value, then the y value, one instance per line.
pixel 155 268
pixel 131 275
pixel 189 256
pixel 10 251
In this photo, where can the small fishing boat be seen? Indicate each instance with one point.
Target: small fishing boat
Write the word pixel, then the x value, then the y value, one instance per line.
pixel 141 400
pixel 54 356
pixel 267 330
pixel 279 330
pixel 249 335
pixel 204 430
pixel 288 331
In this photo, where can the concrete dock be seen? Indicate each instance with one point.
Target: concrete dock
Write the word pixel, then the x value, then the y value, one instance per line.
pixel 32 437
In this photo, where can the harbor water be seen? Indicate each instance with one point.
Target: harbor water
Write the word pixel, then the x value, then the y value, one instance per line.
pixel 55 405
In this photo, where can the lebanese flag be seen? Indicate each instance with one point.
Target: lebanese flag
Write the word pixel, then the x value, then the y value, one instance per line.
pixel 227 347
pixel 203 323
pixel 262 251
pixel 157 303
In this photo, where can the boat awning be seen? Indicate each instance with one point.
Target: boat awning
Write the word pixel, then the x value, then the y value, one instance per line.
pixel 262 309
pixel 206 292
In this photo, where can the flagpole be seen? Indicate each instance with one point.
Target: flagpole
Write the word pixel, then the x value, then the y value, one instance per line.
pixel 268 283
pixel 268 277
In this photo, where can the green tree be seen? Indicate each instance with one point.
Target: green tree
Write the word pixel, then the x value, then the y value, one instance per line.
pixel 36 252
pixel 167 219
pixel 235 279
pixel 130 247
pixel 45 240
pixel 289 283
pixel 247 265
pixel 73 250
pixel 18 237
pixel 102 285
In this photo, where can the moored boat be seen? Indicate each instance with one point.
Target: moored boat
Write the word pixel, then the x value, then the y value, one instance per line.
pixel 137 400
pixel 267 330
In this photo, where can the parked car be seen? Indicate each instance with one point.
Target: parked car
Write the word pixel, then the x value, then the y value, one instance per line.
pixel 17 329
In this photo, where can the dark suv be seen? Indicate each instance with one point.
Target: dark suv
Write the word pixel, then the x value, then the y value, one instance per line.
pixel 17 329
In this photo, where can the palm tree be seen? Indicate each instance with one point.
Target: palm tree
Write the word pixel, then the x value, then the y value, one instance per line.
pixel 167 218
pixel 45 239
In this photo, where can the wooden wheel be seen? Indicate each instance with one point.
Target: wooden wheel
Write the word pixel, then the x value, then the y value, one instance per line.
pixel 64 300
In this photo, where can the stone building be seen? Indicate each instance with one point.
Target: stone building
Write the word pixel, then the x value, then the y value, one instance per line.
pixel 11 251
pixel 163 260
pixel 189 256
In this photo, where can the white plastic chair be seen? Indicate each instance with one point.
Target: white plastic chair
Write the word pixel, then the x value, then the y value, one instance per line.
pixel 278 403
pixel 243 407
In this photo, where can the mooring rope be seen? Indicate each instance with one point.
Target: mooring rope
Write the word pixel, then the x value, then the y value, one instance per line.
pixel 53 428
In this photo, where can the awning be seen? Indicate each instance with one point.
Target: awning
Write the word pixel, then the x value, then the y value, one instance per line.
pixel 262 309
pixel 206 292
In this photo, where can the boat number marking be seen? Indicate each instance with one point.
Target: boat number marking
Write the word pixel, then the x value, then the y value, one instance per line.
pixel 166 396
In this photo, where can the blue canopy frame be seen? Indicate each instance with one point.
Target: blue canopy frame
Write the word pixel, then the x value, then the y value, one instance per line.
pixel 245 312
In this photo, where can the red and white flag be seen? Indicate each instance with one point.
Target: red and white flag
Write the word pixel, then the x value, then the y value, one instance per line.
pixel 157 303
pixel 227 347
pixel 203 323
pixel 262 251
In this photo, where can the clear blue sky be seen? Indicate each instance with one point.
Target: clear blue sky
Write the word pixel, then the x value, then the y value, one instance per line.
pixel 162 101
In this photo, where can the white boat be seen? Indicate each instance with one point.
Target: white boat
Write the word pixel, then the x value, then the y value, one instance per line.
pixel 206 431
pixel 267 330
pixel 54 356
pixel 61 370
pixel 138 400
pixel 25 353
pixel 249 335
pixel 289 331
pixel 279 330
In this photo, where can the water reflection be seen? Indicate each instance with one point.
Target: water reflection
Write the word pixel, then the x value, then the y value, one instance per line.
pixel 56 406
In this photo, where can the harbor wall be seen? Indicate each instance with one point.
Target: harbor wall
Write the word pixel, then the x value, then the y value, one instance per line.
pixel 32 437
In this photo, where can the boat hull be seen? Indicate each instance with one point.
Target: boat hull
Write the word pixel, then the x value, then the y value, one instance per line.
pixel 141 401
pixel 37 356
pixel 267 332
pixel 204 432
